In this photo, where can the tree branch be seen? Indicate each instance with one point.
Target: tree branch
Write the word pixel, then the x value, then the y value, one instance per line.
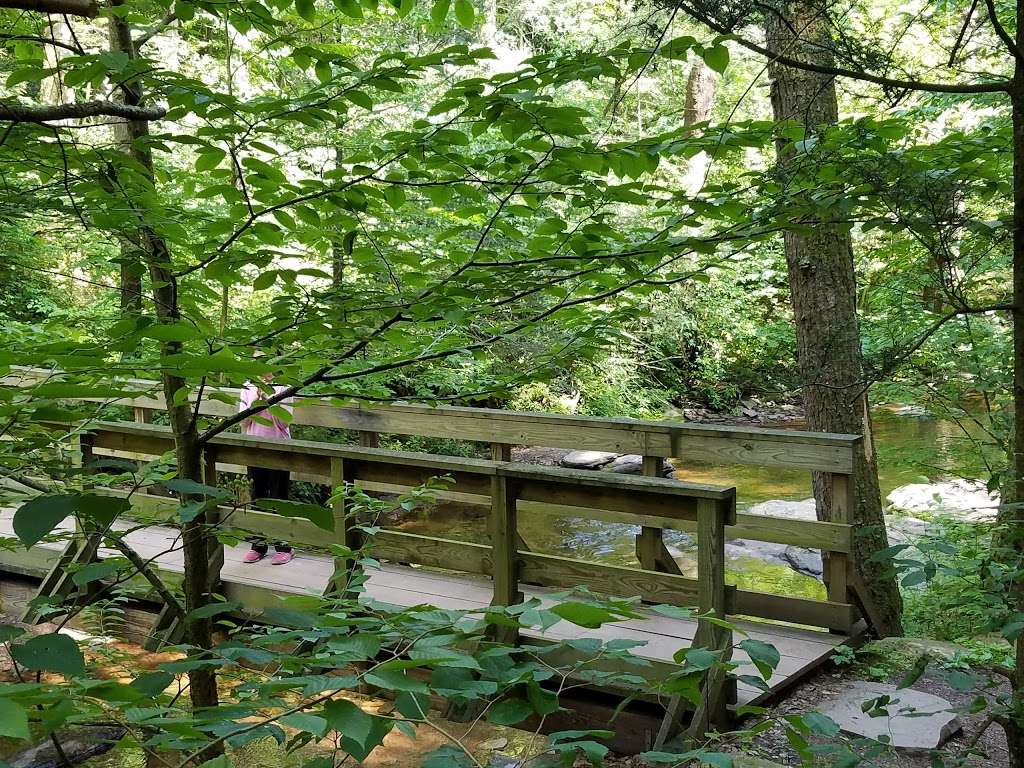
pixel 998 86
pixel 147 572
pixel 86 8
pixel 156 29
pixel 44 41
pixel 1008 41
pixel 20 113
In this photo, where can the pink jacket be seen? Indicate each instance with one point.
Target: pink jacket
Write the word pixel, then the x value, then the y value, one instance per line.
pixel 277 428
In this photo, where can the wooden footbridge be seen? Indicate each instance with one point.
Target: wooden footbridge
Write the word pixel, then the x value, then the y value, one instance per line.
pixel 449 573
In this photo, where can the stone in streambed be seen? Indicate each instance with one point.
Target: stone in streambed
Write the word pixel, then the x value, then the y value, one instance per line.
pixel 915 720
pixel 587 459
pixel 805 561
pixel 630 464
pixel 78 745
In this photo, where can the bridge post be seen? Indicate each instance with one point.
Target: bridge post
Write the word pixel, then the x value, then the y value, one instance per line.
pixel 837 564
pixel 368 439
pixel 504 552
pixel 716 688
pixel 651 551
pixel 346 531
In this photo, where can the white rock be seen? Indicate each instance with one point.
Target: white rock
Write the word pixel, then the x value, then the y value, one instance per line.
pixel 791 510
pixel 965 499
pixel 916 720
pixel 587 459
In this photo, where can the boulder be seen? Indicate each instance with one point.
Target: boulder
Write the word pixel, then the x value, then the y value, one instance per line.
pixel 78 745
pixel 915 720
pixel 791 510
pixel 630 464
pixel 587 459
pixel 805 561
pixel 963 499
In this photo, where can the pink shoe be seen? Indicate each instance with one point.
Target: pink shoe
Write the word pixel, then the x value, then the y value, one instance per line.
pixel 281 558
pixel 252 556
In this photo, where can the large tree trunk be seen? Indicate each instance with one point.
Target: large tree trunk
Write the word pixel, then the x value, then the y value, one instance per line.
pixel 823 290
pixel 195 534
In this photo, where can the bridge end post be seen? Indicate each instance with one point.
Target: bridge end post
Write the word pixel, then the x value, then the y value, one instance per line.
pixel 504 552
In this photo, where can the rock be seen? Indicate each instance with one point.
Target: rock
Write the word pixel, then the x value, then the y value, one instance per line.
pixel 491 744
pixel 916 720
pixel 587 459
pixel 791 510
pixel 906 530
pixel 79 745
pixel 805 561
pixel 630 464
pixel 963 499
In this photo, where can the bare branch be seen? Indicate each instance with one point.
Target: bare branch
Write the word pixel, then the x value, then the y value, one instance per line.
pixel 44 41
pixel 20 113
pixel 88 9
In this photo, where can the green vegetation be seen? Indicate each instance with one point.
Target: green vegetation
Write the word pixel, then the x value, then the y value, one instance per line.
pixel 610 209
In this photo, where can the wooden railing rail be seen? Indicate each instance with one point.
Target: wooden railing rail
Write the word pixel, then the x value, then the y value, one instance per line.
pixel 650 501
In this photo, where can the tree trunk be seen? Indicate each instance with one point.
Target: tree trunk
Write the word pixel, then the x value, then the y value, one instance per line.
pixel 131 257
pixel 1011 511
pixel 823 291
pixel 699 98
pixel 188 451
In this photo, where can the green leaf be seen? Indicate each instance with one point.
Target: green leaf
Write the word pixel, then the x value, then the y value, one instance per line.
pixel 152 684
pixel 465 13
pixel 13 720
pixel 360 99
pixel 302 721
pixel 717 58
pixel 192 488
pixel 215 609
pixel 510 712
pixel 99 570
pixel 395 196
pixel 50 653
pixel 361 733
pixel 765 657
pixel 820 724
pixel 447 756
pixel 210 158
pixel 350 8
pixel 38 517
pixel 584 614
pixel 321 517
pixel 396 680
pixel 264 280
pixel 439 10
pixel 305 9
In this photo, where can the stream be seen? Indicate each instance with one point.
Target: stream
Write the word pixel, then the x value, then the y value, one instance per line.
pixel 912 448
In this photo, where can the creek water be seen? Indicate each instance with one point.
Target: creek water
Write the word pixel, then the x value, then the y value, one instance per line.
pixel 911 448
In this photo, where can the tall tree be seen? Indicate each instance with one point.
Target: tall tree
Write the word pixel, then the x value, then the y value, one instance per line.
pixel 823 289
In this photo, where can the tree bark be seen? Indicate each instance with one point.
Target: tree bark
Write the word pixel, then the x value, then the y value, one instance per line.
pixel 188 450
pixel 823 291
pixel 88 9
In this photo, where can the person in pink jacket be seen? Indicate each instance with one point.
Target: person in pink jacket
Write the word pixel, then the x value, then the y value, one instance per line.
pixel 266 483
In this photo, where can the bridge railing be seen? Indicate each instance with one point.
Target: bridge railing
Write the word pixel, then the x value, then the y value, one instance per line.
pixel 830 454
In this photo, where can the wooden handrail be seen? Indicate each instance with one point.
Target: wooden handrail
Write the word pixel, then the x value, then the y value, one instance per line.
pixel 814 451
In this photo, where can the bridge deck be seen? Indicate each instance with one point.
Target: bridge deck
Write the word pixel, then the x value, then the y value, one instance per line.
pixel 261 584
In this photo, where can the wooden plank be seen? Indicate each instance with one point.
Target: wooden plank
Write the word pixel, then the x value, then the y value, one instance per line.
pixel 613 580
pixel 797 610
pixel 369 439
pixel 431 551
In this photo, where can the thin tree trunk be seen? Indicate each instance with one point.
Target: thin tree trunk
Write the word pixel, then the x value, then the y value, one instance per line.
pixel 823 291
pixel 195 535
pixel 699 98
pixel 1011 511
